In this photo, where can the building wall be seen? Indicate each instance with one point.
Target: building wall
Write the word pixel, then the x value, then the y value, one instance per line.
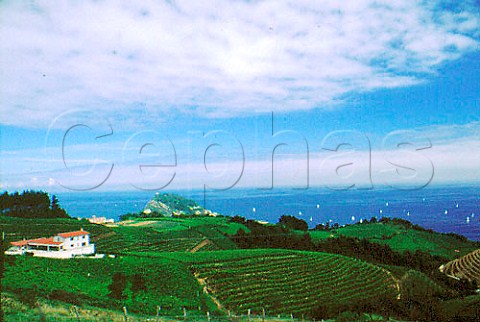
pixel 75 242
pixel 87 250
pixel 15 251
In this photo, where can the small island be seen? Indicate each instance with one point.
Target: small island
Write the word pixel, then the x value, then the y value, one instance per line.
pixel 170 205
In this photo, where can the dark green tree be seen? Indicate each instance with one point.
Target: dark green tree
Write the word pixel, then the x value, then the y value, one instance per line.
pixel 293 223
pixel 30 204
pixel 56 211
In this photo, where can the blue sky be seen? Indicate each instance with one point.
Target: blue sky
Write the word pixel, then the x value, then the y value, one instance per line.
pixel 366 93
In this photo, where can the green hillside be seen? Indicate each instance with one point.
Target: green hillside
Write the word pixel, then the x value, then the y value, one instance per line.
pixel 168 205
pixel 401 238
pixel 168 283
pixel 294 282
pixel 169 234
pixel 228 265
pixel 281 281
pixel 53 310
pixel 20 228
pixel 159 235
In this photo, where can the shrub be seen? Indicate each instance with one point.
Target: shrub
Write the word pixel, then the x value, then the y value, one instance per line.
pixel 65 296
pixel 293 223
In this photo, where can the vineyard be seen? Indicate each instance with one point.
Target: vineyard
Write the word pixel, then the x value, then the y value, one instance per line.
pixel 138 239
pixel 147 239
pixel 465 267
pixel 20 228
pixel 293 282
pixel 158 236
pixel 402 239
pixel 192 264
pixel 169 283
pixel 234 268
pixel 279 281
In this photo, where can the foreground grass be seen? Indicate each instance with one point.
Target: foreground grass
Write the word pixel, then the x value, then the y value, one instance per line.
pixel 16 311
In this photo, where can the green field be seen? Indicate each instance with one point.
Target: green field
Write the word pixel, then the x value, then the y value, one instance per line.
pixel 18 228
pixel 280 281
pixel 169 283
pixel 159 235
pixel 401 239
pixel 194 264
pixel 286 282
pixel 293 282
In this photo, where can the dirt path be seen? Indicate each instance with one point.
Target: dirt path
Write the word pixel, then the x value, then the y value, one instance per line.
pixel 200 245
pixel 203 282
pixel 142 223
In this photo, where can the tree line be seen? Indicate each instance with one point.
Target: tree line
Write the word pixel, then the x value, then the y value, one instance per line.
pixel 31 204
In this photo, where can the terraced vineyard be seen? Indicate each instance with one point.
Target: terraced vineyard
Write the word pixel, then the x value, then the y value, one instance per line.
pixel 293 282
pixel 139 239
pixel 466 267
pixel 179 236
pixel 19 228
pixel 170 235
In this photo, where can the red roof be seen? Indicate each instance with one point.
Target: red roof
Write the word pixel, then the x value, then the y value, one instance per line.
pixel 21 243
pixel 50 241
pixel 44 241
pixel 73 233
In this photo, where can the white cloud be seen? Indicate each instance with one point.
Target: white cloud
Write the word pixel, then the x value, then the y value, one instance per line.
pixel 443 164
pixel 217 58
pixel 454 157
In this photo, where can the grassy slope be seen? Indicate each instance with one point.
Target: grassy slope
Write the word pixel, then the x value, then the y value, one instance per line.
pixel 162 234
pixel 286 281
pixel 15 310
pixel 172 234
pixel 401 239
pixel 172 284
pixel 180 234
pixel 462 309
pixel 221 223
pixel 170 274
pixel 18 228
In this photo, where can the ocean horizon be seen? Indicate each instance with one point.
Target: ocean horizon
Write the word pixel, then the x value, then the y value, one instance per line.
pixel 446 209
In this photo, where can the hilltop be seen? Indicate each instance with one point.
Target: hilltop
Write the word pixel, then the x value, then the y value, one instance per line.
pixel 171 205
pixel 402 236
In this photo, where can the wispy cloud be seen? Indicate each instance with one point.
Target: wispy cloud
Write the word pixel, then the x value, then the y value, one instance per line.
pixel 218 58
pixel 452 155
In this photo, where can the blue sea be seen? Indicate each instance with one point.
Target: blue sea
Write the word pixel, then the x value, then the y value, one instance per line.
pixel 443 209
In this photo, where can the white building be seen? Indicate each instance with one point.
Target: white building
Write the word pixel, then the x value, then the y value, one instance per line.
pixel 63 245
pixel 100 220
